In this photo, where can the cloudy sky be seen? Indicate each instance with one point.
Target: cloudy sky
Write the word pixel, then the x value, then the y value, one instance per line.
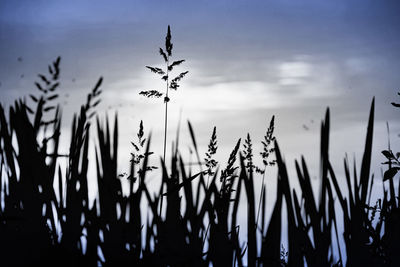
pixel 247 60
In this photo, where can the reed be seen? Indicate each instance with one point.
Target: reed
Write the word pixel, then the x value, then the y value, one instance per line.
pixel 171 84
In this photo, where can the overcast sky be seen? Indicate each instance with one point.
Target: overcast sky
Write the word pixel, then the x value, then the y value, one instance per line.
pixel 247 60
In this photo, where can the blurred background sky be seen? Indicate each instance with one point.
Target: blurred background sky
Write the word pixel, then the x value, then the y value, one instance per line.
pixel 247 60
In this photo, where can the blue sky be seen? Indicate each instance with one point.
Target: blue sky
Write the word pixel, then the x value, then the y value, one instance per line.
pixel 247 61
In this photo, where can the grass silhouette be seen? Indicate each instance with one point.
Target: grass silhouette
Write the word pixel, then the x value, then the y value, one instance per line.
pixel 170 83
pixel 43 224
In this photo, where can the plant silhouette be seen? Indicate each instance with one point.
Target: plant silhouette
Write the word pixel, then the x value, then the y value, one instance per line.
pixel 43 223
pixel 172 84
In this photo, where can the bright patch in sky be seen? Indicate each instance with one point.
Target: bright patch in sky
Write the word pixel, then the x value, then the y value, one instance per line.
pixel 294 73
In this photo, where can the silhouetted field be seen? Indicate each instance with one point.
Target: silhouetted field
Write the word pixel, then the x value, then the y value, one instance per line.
pixel 46 225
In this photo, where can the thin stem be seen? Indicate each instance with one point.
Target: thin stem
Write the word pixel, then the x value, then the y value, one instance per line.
pixel 261 195
pixel 166 111
pixel 166 99
pixel 165 128
pixel 206 233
